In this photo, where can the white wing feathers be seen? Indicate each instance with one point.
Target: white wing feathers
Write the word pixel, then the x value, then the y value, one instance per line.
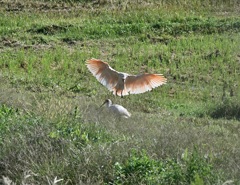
pixel 133 84
pixel 103 73
pixel 144 82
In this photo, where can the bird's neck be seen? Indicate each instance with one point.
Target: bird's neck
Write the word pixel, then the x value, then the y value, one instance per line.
pixel 109 104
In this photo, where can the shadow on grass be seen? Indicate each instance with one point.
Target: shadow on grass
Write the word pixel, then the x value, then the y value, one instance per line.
pixel 226 109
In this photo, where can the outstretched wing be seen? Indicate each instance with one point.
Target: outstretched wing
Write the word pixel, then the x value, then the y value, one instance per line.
pixel 106 75
pixel 144 82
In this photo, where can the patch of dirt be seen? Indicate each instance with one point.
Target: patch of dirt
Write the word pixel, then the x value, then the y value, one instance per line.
pixel 15 44
pixel 8 42
pixel 16 6
pixel 211 55
pixel 50 29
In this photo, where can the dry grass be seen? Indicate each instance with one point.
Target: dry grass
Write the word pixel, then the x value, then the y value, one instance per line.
pixel 163 135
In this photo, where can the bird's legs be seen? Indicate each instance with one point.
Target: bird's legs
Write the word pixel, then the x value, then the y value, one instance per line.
pixel 121 94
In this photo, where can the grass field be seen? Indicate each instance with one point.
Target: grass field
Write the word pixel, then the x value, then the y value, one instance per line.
pixel 185 132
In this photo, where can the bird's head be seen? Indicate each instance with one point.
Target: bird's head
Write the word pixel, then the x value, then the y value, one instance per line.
pixel 107 102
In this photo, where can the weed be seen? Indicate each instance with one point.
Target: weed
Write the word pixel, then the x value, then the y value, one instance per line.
pixel 140 168
pixel 228 109
pixel 80 135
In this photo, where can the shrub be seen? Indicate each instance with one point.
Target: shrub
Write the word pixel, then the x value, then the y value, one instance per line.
pixel 141 169
pixel 229 109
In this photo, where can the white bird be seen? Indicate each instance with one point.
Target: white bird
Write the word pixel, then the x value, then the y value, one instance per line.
pixel 120 83
pixel 117 109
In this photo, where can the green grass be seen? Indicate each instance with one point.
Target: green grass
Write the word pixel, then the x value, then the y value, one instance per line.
pixel 51 127
pixel 140 168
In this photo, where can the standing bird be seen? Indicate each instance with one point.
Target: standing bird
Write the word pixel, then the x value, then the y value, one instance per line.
pixel 120 83
pixel 117 109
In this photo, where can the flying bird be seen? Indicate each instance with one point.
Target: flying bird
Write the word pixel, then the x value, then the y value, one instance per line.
pixel 123 84
pixel 117 109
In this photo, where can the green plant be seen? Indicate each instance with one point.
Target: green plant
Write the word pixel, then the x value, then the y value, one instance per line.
pixel 229 108
pixel 6 111
pixel 80 134
pixel 140 168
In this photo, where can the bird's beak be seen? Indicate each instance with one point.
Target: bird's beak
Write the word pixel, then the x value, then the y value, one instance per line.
pixel 102 104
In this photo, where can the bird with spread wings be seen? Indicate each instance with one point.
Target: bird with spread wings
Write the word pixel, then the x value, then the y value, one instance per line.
pixel 122 84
